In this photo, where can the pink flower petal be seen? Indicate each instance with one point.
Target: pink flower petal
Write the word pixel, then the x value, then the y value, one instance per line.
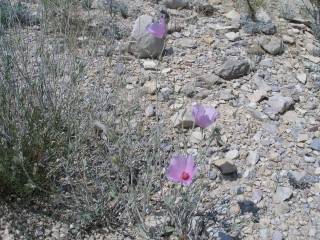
pixel 181 169
pixel 158 29
pixel 204 116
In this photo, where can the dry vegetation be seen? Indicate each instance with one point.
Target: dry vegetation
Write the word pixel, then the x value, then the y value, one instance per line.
pixel 82 147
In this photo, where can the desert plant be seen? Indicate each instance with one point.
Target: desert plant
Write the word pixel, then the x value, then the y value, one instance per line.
pixel 12 14
pixel 313 11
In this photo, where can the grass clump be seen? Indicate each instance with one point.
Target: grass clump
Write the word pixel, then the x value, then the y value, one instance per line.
pixel 13 14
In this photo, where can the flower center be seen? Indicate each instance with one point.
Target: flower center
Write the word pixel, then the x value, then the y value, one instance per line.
pixel 185 176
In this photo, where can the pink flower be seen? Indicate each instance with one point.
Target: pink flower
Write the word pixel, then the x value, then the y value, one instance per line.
pixel 181 169
pixel 204 116
pixel 158 29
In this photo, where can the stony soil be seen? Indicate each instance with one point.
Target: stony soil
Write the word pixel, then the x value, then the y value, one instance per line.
pixel 270 122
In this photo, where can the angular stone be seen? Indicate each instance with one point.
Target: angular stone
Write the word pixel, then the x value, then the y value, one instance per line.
pixel 232 36
pixel 149 111
pixel 282 194
pixel 258 26
pixel 279 104
pixel 302 77
pixel 258 96
pixel 233 154
pixel 256 195
pixel 233 15
pixel 183 118
pixel 225 166
pixel 233 69
pixel 288 39
pixel 277 235
pixel 273 45
pixel 150 87
pixel 315 144
pixel 196 136
pixel 253 158
pixel 149 65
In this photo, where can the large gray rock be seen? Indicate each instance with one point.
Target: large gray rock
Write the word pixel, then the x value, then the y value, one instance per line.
pixel 272 45
pixel 278 104
pixel 233 69
pixel 142 43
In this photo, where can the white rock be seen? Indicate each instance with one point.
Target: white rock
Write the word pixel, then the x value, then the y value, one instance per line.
pixel 233 15
pixel 253 157
pixel 232 36
pixel 233 154
pixel 302 77
pixel 149 65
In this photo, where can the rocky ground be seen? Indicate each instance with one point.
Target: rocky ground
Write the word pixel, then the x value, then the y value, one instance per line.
pixel 264 81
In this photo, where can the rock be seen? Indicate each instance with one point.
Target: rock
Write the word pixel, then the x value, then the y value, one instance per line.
pixel 256 195
pixel 176 4
pixel 213 174
pixel 315 144
pixel 273 45
pixel 149 111
pixel 149 65
pixel 259 26
pixel 208 40
pixel 317 171
pixel 183 118
pixel 233 154
pixel 267 62
pixel 302 77
pixel 288 39
pixel 233 15
pixel 100 128
pixel 298 179
pixel 196 136
pixel 309 159
pixel 142 43
pixel 186 43
pixel 150 87
pixel 232 36
pixel 253 158
pixel 279 104
pixel 277 235
pixel 188 89
pixel 225 166
pixel 282 194
pixel 312 59
pixel 215 2
pixel 281 209
pixel 233 69
pixel 258 96
pixel 226 95
pixel 264 234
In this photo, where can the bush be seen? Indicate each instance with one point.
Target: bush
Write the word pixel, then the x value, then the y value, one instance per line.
pixel 12 14
pixel 38 95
